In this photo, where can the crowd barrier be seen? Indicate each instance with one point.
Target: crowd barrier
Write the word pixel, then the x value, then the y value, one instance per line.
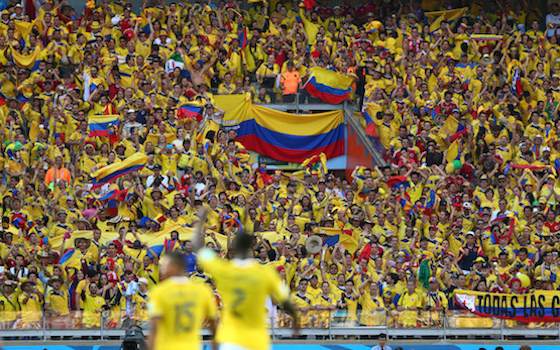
pixel 326 324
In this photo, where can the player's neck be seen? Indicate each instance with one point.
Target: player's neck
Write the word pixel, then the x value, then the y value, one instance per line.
pixel 242 256
pixel 175 275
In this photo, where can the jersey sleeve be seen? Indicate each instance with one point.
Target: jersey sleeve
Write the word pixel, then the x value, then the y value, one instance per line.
pixel 155 307
pixel 401 301
pixel 278 290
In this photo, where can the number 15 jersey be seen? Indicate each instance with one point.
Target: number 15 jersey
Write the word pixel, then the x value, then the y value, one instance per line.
pixel 181 306
pixel 244 286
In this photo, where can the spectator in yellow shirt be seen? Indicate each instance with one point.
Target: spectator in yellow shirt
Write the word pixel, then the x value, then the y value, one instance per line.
pixel 140 301
pixel 9 305
pixel 410 302
pixel 56 304
pixel 92 304
pixel 31 302
pixel 325 304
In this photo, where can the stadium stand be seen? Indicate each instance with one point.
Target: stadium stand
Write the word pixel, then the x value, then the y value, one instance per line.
pixel 118 124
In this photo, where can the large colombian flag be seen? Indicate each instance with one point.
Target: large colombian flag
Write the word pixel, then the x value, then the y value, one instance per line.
pixel 292 137
pixel 115 170
pixel 329 86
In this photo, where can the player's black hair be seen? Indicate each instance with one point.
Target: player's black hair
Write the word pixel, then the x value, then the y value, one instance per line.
pixel 243 243
pixel 177 259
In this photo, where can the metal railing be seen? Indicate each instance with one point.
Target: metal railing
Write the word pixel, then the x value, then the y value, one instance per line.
pixel 326 324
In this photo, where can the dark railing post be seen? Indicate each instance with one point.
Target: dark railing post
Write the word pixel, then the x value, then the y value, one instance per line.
pixel 329 325
pixel 272 329
pixel 44 326
pixel 387 321
pixel 444 324
pixel 101 325
pixel 501 329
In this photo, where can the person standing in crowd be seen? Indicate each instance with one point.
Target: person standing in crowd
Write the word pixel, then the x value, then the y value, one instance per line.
pixel 290 81
pixel 382 343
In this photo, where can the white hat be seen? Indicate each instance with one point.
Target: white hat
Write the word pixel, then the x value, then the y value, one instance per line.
pixel 142 280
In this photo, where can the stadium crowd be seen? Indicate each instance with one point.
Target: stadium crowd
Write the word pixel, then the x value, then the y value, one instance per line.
pixel 466 109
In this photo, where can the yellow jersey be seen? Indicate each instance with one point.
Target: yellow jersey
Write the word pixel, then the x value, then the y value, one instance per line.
pixel 244 286
pixel 9 307
pixel 181 306
pixel 30 307
pixel 58 302
pixel 92 305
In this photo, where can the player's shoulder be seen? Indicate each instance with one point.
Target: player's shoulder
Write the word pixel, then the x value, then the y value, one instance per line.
pixel 197 284
pixel 172 283
pixel 268 268
pixel 266 272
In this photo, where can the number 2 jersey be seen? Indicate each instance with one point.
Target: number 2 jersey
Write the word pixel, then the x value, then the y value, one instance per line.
pixel 181 305
pixel 244 286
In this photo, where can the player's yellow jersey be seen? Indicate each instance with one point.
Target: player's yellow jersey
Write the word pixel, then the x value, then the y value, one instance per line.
pixel 244 286
pixel 180 306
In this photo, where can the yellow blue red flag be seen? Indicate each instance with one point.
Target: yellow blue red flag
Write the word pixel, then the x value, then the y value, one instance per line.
pixel 113 171
pixel 329 86
pixel 292 137
pixel 104 126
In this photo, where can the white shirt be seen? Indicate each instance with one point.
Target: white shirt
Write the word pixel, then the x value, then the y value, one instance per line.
pixel 164 181
pixel 199 187
pixel 385 347
pixel 127 128
pixel 131 289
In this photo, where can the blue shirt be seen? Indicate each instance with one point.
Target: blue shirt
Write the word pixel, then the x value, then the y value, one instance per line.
pixel 190 262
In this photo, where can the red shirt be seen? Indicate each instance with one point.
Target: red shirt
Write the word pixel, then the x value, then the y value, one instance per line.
pixel 553 226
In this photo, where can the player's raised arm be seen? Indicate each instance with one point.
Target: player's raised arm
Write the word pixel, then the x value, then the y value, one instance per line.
pixel 199 231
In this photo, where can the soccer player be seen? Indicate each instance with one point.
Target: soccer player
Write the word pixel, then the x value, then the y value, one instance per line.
pixel 244 286
pixel 178 308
